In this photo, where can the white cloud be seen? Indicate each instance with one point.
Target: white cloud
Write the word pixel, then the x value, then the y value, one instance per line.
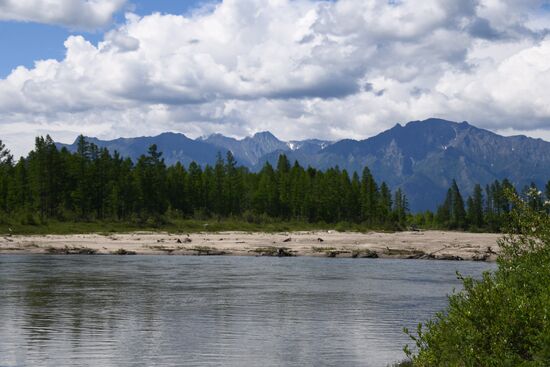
pixel 77 14
pixel 299 68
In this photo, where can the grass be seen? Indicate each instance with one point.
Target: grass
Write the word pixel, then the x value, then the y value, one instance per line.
pixel 171 226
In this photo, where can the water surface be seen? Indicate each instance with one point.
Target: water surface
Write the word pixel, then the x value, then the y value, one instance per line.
pixel 215 311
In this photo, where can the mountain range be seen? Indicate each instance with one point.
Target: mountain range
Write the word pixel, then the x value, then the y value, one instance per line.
pixel 421 157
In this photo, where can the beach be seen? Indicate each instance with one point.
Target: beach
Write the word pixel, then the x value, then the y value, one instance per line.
pixel 435 245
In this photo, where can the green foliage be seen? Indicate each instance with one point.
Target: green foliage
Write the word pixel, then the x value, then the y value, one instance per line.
pixel 485 210
pixel 452 214
pixel 502 319
pixel 475 208
pixel 93 186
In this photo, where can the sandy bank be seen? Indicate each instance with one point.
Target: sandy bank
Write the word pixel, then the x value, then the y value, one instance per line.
pixel 437 245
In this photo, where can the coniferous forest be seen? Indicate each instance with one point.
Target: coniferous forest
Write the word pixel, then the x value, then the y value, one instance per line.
pixel 94 185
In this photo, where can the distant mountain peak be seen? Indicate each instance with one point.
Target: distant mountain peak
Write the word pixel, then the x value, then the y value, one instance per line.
pixel 171 133
pixel 264 135
pixel 421 157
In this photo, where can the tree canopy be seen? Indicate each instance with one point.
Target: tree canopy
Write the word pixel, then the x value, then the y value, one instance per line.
pixel 93 184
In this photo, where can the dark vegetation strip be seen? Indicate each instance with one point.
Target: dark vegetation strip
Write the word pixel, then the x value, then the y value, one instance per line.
pixel 91 190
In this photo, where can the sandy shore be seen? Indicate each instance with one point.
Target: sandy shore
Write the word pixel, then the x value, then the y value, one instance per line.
pixel 436 245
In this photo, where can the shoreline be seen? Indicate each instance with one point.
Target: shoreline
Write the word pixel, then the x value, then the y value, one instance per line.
pixel 433 245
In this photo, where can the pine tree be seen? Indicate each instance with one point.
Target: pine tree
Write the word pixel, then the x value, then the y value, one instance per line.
pixel 369 197
pixel 266 198
pixel 355 197
pixel 443 214
pixel 217 196
pixel 475 208
pixel 195 187
pixel 283 184
pixel 385 204
pixel 45 177
pixel 234 186
pixel 150 174
pixel 400 208
pixel 6 165
pixel 458 213
pixel 5 155
pixel 177 195
pixel 19 196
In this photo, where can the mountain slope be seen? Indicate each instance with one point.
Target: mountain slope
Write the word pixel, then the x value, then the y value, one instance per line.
pixel 174 147
pixel 427 155
pixel 422 157
pixel 249 150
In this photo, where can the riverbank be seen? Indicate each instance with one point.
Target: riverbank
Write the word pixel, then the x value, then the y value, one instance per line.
pixel 437 245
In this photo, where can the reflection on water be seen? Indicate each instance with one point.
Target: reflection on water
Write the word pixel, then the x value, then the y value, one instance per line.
pixel 211 311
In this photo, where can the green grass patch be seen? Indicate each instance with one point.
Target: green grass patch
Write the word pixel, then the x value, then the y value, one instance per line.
pixel 177 226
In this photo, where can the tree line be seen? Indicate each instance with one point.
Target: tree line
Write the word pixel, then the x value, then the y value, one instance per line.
pixel 501 318
pixel 93 184
pixel 486 209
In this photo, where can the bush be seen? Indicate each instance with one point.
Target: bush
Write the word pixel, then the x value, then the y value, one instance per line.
pixel 504 318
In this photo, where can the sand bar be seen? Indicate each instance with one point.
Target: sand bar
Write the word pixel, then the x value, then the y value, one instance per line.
pixel 437 245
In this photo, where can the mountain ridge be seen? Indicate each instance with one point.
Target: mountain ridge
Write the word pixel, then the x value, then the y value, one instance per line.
pixel 421 157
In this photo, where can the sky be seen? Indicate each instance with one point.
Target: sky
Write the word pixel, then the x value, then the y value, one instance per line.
pixel 298 68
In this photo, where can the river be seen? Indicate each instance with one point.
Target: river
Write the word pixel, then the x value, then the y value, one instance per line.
pixel 215 311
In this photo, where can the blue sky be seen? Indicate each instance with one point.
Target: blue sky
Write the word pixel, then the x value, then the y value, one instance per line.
pixel 24 42
pixel 326 69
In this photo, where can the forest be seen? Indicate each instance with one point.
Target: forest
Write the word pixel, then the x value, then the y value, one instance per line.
pixel 93 185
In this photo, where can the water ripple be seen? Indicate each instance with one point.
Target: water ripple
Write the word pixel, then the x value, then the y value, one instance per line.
pixel 211 311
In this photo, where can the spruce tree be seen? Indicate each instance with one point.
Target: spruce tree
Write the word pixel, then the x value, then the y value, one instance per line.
pixel 475 208
pixel 443 214
pixel 6 165
pixel 400 208
pixel 283 183
pixel 385 204
pixel 458 213
pixel 369 197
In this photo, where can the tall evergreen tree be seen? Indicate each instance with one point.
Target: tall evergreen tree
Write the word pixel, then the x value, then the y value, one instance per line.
pixel 177 192
pixel 234 186
pixel 195 187
pixel 369 197
pixel 283 184
pixel 6 161
pixel 458 213
pixel 150 175
pixel 400 207
pixel 385 205
pixel 475 208
pixel 5 155
pixel 45 177
pixel 443 214
pixel 217 195
pixel 266 198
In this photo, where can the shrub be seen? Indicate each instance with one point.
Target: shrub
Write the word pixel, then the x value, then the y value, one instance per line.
pixel 503 319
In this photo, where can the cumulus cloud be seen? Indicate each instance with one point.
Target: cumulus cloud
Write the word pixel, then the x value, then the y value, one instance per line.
pixel 300 68
pixel 77 14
